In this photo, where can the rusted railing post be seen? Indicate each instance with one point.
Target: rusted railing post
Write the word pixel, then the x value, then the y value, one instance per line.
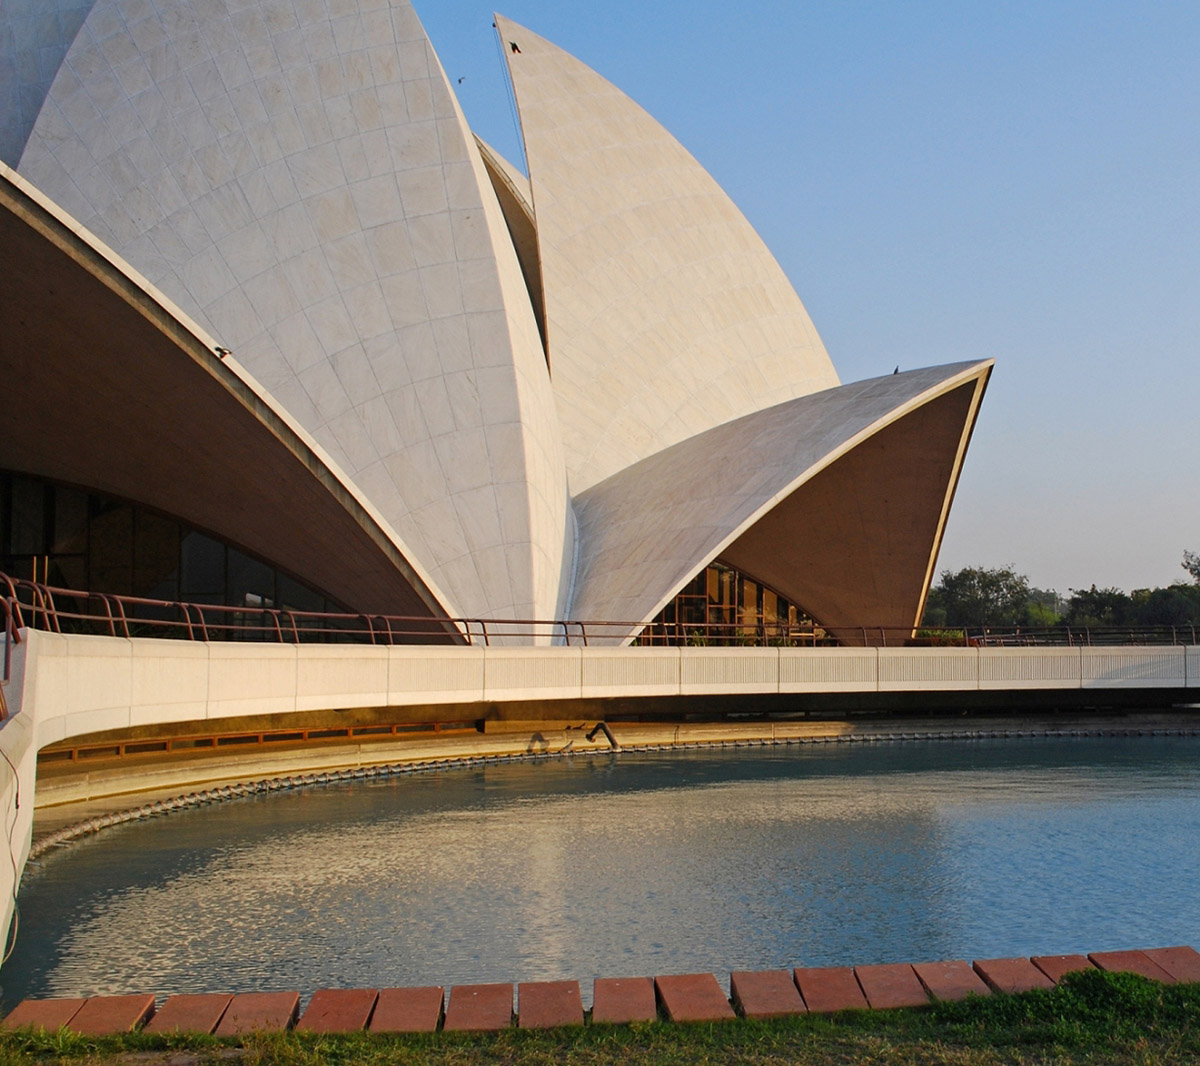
pixel 124 620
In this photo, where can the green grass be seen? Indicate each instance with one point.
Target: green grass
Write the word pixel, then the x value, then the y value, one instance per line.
pixel 1091 1018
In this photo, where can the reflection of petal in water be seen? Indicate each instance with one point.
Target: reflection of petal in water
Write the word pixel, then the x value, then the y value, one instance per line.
pixel 686 862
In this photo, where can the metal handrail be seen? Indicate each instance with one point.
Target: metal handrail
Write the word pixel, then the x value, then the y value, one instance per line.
pixel 44 606
pixel 129 616
pixel 12 634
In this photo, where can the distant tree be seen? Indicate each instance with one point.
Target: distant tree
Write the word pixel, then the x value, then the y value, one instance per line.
pixel 1043 607
pixel 978 596
pixel 934 614
pixel 1098 607
pixel 1191 563
pixel 1176 605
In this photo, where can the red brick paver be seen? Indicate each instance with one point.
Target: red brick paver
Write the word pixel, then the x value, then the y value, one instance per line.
pixel 190 1013
pixel 1012 975
pixel 765 993
pixel 338 1010
pixel 48 1014
pixel 1182 963
pixel 104 1015
pixel 620 1000
pixel 891 985
pixel 248 1011
pixel 408 1010
pixel 829 988
pixel 693 997
pixel 480 1008
pixel 1056 967
pixel 1130 962
pixel 548 1004
pixel 950 979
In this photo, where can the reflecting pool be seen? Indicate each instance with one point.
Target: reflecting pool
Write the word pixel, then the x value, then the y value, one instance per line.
pixel 633 864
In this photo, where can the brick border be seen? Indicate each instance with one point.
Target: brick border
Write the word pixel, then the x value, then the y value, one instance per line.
pixel 680 997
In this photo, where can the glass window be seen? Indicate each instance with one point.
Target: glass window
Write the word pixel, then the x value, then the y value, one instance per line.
pixel 250 583
pixel 73 539
pixel 770 609
pixel 70 522
pixel 110 547
pixel 738 609
pixel 749 603
pixel 294 596
pixel 201 569
pixel 155 556
pixel 67 571
pixel 28 517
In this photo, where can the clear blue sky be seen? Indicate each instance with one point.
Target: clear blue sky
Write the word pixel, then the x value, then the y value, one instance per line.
pixel 946 181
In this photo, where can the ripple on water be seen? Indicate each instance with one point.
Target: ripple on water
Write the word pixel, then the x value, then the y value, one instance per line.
pixel 618 865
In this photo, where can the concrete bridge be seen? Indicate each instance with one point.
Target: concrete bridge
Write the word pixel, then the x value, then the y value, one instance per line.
pixel 64 686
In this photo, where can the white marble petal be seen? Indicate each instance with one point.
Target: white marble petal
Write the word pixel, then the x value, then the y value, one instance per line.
pixel 665 313
pixel 647 530
pixel 225 151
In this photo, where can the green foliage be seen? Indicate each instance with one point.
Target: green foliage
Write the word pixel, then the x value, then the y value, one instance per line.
pixel 1098 607
pixel 1043 607
pixel 1123 1006
pixel 1175 605
pixel 1191 563
pixel 940 637
pixel 978 596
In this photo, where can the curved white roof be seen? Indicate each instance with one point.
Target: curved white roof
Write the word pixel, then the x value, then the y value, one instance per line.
pixel 647 530
pixel 666 314
pixel 300 179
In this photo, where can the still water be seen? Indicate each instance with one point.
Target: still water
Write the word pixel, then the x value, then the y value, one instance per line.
pixel 633 864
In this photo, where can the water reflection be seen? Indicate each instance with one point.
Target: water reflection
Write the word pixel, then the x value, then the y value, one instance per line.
pixel 633 865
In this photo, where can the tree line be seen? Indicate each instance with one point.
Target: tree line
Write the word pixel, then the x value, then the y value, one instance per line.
pixel 1001 597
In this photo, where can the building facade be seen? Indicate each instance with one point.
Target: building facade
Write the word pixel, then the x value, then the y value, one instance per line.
pixel 272 309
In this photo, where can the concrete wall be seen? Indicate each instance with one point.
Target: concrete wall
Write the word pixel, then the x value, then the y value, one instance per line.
pixel 74 685
pixel 18 770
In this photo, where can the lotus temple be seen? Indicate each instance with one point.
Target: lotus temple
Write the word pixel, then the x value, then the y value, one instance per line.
pixel 279 329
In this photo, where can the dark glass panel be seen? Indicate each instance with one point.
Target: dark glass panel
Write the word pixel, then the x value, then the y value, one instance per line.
pixel 28 534
pixel 68 571
pixel 5 510
pixel 295 597
pixel 110 547
pixel 70 522
pixel 201 569
pixel 156 556
pixel 20 567
pixel 72 539
pixel 250 583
